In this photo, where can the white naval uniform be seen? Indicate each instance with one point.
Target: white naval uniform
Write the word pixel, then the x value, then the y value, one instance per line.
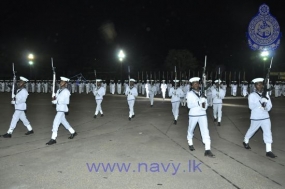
pixel 175 95
pixel 119 88
pixel 244 90
pixel 112 88
pixel 20 107
pixel 218 97
pixel 234 89
pixel 131 94
pixel 39 87
pixel 143 88
pixel 99 93
pixel 209 95
pixel 146 89
pixel 259 118
pixel 151 93
pixel 87 86
pixel 197 114
pixel 163 89
pixel 62 100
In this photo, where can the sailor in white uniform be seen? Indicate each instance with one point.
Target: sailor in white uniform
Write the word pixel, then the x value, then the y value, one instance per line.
pixel 163 88
pixel 218 94
pixel 131 93
pixel 175 93
pixel 98 92
pixel 260 106
pixel 19 101
pixel 62 97
pixel 198 105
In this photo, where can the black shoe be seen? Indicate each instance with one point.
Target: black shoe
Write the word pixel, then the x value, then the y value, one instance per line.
pixel 102 115
pixel 151 105
pixel 191 148
pixel 130 118
pixel 29 132
pixel 246 145
pixel 72 135
pixel 133 116
pixel 51 142
pixel 95 116
pixel 219 123
pixel 215 120
pixel 175 122
pixel 209 154
pixel 270 154
pixel 7 135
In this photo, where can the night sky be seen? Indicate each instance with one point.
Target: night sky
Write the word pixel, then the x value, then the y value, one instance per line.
pixel 85 35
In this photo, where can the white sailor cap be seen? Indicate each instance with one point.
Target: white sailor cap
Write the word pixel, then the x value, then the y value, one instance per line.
pixel 64 78
pixel 132 80
pixel 218 81
pixel 163 80
pixel 98 80
pixel 23 79
pixel 256 80
pixel 176 81
pixel 194 79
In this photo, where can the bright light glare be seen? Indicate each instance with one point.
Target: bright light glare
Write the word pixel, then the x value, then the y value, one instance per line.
pixel 31 62
pixel 264 53
pixel 31 57
pixel 121 55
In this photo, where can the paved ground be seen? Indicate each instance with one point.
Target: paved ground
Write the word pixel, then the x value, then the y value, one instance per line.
pixel 155 151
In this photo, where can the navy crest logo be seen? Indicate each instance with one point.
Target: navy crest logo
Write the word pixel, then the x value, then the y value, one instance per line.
pixel 263 31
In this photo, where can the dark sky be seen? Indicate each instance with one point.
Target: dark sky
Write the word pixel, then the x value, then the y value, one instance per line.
pixel 86 35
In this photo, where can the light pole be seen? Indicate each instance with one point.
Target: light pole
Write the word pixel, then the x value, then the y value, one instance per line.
pixel 121 56
pixel 31 62
pixel 264 54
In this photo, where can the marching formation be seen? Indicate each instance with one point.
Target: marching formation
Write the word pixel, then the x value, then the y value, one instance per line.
pixel 197 94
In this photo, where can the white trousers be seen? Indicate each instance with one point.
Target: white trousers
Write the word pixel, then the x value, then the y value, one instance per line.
pixel 131 104
pixel 60 119
pixel 217 111
pixel 175 109
pixel 203 124
pixel 147 94
pixel 163 94
pixel 151 96
pixel 98 107
pixel 266 128
pixel 143 90
pixel 119 90
pixel 16 116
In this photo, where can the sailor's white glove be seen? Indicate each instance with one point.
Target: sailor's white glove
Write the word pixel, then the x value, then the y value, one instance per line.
pixel 54 102
pixel 202 100
pixel 13 102
pixel 263 100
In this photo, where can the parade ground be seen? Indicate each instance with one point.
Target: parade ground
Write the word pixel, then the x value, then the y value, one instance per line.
pixel 147 152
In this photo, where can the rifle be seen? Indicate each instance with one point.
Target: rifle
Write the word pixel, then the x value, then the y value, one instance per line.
pixel 204 80
pixel 219 75
pixel 129 76
pixel 53 81
pixel 175 74
pixel 267 87
pixel 14 83
pixel 95 78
